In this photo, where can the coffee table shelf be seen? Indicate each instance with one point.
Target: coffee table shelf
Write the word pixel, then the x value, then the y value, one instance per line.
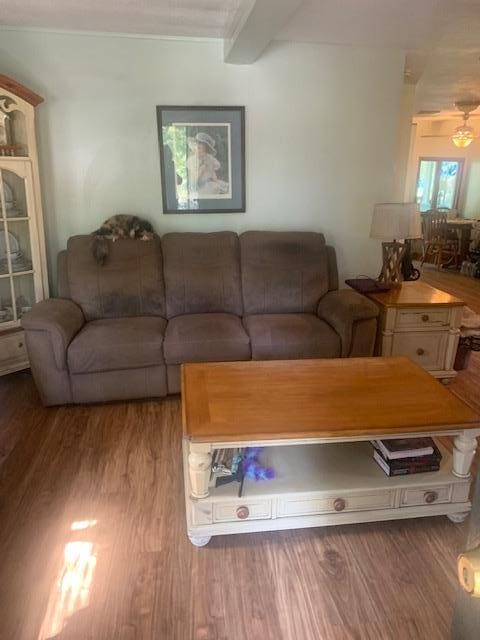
pixel 311 480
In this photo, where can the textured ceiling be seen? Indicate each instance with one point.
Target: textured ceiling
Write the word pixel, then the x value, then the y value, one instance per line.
pixel 194 18
pixel 391 23
pixel 441 38
pixel 408 24
pixel 452 67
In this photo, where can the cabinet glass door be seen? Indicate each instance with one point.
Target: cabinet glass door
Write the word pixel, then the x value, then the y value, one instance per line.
pixel 17 255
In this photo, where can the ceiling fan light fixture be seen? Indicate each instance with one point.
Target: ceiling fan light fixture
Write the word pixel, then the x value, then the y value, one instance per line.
pixel 463 136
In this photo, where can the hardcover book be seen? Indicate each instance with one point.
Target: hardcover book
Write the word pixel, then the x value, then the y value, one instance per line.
pixel 414 461
pixel 405 447
pixel 406 469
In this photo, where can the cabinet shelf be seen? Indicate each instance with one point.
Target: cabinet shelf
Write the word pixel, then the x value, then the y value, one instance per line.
pixel 5 326
pixel 17 273
pixel 14 158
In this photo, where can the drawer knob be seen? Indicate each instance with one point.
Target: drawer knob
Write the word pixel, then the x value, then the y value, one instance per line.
pixel 431 496
pixel 339 504
pixel 20 345
pixel 425 317
pixel 243 513
pixel 420 351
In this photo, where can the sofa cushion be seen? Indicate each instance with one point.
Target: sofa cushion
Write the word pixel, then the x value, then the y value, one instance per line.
pixel 130 283
pixel 117 343
pixel 283 272
pixel 290 336
pixel 206 337
pixel 202 273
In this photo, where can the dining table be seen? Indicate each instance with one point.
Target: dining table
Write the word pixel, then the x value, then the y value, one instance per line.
pixel 463 228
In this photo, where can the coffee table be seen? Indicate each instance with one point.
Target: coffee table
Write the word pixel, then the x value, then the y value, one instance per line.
pixel 315 418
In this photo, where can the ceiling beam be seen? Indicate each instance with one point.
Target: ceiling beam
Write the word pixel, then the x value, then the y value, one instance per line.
pixel 256 28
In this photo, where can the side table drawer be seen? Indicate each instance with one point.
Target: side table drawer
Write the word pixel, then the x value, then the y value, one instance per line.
pixel 245 510
pixel 352 502
pixel 427 349
pixel 418 317
pixel 417 496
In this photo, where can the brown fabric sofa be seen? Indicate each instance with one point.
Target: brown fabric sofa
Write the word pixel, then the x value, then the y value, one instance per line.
pixel 121 331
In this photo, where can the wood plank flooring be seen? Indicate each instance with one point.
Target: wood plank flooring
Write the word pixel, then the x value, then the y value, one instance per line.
pixel 127 571
pixel 467 384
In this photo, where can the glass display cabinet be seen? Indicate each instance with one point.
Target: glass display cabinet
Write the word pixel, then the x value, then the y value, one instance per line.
pixel 23 273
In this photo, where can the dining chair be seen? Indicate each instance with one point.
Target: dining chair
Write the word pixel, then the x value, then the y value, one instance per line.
pixel 438 243
pixel 452 214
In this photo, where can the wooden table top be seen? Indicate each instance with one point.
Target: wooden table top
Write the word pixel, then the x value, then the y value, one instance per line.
pixel 460 222
pixel 292 399
pixel 415 294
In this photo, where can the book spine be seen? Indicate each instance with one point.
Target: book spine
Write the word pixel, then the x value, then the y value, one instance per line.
pixel 412 470
pixel 417 464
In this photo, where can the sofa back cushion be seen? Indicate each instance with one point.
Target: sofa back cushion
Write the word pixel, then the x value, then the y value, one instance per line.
pixel 130 283
pixel 202 273
pixel 283 272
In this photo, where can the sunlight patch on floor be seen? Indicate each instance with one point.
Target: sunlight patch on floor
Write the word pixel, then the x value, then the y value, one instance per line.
pixel 72 586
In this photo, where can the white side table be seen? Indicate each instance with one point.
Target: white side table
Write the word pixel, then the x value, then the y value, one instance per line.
pixel 421 322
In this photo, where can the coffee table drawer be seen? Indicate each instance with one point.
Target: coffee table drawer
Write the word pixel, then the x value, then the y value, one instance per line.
pixel 248 510
pixel 353 502
pixel 418 317
pixel 417 496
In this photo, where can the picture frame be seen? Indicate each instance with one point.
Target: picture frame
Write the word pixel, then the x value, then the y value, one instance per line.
pixel 202 159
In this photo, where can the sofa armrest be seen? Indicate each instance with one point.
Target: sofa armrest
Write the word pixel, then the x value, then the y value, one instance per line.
pixel 60 319
pixel 342 309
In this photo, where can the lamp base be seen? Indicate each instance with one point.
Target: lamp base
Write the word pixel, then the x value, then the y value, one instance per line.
pixel 408 270
pixel 391 273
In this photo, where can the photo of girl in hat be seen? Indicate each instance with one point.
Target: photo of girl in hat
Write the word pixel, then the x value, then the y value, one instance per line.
pixel 204 169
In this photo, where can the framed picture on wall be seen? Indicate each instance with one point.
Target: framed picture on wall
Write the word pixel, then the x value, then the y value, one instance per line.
pixel 202 159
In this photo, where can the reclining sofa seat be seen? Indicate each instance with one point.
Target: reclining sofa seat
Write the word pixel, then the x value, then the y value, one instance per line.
pixel 122 330
pixel 103 340
pixel 284 275
pixel 204 301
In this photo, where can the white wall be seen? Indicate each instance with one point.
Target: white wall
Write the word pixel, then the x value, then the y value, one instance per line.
pixel 404 143
pixel 321 125
pixel 443 147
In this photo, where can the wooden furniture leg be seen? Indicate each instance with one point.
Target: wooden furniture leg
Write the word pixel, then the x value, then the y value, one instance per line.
pixel 199 467
pixel 426 251
pixel 199 541
pixel 464 448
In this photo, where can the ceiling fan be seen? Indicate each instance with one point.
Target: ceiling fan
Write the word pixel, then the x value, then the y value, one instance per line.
pixel 463 135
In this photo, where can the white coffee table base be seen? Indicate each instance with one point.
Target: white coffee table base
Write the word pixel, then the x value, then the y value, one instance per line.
pixel 320 483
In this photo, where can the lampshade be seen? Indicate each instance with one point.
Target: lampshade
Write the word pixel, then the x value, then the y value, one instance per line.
pixel 463 136
pixel 396 221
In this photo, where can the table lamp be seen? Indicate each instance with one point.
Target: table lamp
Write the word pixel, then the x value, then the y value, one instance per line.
pixel 391 222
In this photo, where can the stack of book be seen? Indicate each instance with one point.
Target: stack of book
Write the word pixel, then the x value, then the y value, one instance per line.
pixel 407 455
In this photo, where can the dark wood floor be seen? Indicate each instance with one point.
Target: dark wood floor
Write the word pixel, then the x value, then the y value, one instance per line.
pixel 130 572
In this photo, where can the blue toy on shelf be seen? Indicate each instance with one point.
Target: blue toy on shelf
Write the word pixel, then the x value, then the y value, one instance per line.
pixel 252 468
